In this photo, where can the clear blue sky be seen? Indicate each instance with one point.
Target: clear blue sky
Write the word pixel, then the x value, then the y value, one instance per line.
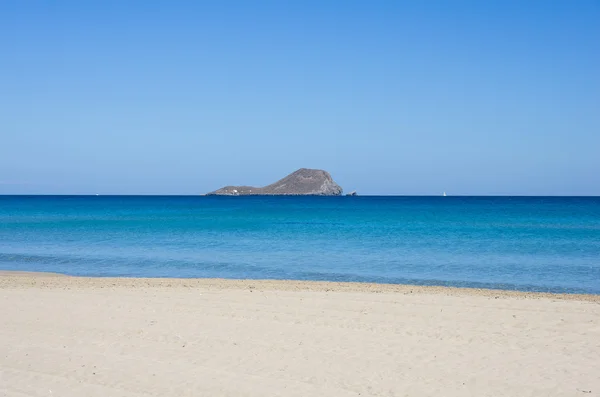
pixel 398 97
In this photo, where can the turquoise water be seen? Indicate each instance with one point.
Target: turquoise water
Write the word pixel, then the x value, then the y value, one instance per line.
pixel 532 244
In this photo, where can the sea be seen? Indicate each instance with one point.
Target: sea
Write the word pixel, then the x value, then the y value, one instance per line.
pixel 547 244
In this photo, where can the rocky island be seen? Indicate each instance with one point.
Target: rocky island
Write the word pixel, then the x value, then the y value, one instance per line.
pixel 303 182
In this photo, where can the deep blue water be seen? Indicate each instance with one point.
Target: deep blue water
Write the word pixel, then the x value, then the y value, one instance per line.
pixel 523 243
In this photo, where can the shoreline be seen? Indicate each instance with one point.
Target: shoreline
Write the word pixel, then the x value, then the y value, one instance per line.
pixel 27 279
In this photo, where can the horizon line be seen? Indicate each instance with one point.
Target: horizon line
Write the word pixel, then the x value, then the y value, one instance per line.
pixel 283 195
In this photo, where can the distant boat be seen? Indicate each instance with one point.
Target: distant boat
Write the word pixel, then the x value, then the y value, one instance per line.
pixel 444 194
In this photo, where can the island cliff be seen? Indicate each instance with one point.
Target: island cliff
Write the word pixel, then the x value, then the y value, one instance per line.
pixel 304 182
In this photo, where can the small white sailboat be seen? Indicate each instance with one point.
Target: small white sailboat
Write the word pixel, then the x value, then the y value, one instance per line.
pixel 444 194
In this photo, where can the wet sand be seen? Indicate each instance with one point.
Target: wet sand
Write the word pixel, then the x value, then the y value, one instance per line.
pixel 71 336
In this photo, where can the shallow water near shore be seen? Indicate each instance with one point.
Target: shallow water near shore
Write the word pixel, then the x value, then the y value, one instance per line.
pixel 515 243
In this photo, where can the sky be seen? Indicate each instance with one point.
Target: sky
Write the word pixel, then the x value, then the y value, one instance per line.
pixel 390 97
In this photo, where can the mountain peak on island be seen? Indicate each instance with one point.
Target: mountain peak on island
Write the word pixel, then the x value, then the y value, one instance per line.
pixel 303 182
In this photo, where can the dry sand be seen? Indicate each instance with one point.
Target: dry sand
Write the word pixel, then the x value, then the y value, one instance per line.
pixel 67 336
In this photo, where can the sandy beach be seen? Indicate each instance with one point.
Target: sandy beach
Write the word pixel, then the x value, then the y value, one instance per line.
pixel 70 336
